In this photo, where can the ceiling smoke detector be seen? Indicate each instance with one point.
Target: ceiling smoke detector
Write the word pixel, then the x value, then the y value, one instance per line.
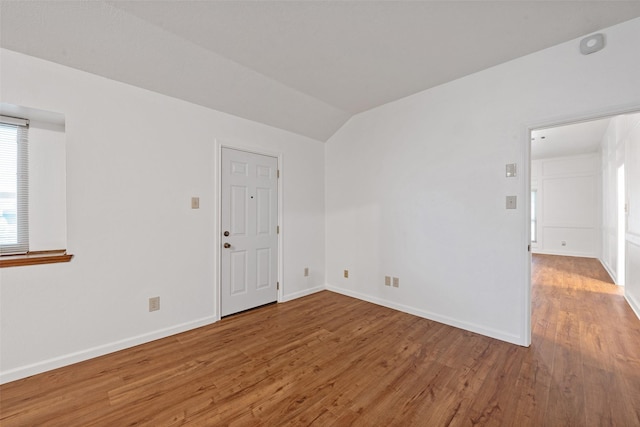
pixel 592 44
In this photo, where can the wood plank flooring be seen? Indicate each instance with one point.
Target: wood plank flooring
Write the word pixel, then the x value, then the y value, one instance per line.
pixel 330 360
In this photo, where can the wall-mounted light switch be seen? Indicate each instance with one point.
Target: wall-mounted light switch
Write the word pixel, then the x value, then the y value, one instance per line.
pixel 511 170
pixel 511 202
pixel 195 203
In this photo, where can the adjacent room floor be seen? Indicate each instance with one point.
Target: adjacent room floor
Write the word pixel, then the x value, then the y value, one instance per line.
pixel 328 359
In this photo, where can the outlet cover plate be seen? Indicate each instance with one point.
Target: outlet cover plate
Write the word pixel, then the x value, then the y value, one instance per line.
pixel 154 304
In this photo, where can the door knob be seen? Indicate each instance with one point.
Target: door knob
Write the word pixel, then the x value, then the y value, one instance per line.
pixel 226 234
pixel 227 245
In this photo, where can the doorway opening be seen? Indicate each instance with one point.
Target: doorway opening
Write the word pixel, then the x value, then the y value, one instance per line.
pixel 578 185
pixel 567 191
pixel 249 206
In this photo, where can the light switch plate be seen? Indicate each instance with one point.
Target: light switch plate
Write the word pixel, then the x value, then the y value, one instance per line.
pixel 511 170
pixel 195 203
pixel 511 202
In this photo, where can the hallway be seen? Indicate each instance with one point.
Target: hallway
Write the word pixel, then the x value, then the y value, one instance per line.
pixel 585 344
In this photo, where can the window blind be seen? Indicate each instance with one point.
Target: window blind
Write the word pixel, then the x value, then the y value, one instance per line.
pixel 14 186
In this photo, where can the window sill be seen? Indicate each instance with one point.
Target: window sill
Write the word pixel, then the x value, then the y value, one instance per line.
pixel 34 258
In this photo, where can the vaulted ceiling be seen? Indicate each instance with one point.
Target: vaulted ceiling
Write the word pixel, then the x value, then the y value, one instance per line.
pixel 302 66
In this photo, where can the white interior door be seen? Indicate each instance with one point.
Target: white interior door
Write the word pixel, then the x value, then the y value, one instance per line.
pixel 249 216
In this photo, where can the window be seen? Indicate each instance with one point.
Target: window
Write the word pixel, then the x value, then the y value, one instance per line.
pixel 32 187
pixel 534 220
pixel 14 186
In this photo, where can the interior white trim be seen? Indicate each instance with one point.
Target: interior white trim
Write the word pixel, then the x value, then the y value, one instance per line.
pixel 635 306
pixel 633 238
pixel 219 145
pixel 303 293
pixel 468 326
pixel 569 253
pixel 607 269
pixel 526 299
pixel 607 111
pixel 101 350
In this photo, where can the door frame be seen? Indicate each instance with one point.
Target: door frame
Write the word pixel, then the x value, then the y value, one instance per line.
pixel 529 127
pixel 217 238
pixel 621 220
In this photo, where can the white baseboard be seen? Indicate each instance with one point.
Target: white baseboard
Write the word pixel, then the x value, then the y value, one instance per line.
pixel 101 350
pixel 635 306
pixel 608 270
pixel 79 356
pixel 559 253
pixel 472 327
pixel 302 293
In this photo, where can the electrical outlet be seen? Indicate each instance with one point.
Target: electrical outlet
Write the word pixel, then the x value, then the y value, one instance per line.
pixel 387 280
pixel 396 282
pixel 346 274
pixel 306 271
pixel 154 304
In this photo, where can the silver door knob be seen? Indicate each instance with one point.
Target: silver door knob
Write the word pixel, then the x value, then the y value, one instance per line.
pixel 227 245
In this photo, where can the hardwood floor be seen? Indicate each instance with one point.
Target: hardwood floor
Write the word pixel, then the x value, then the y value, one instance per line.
pixel 330 360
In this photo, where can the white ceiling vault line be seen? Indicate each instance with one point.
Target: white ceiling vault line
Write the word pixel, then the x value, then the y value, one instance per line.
pixel 302 66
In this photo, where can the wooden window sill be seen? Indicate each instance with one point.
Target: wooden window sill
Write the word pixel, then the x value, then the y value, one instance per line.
pixel 36 257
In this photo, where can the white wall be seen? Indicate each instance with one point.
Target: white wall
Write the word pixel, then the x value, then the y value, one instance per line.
pixel 612 149
pixel 413 189
pixel 134 158
pixel 568 211
pixel 618 143
pixel 416 188
pixel 621 145
pixel 47 187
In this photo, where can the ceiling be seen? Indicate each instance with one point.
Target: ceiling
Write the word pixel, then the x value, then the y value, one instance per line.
pixel 568 140
pixel 302 66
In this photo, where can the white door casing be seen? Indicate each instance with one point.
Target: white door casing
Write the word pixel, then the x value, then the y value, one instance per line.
pixel 249 214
